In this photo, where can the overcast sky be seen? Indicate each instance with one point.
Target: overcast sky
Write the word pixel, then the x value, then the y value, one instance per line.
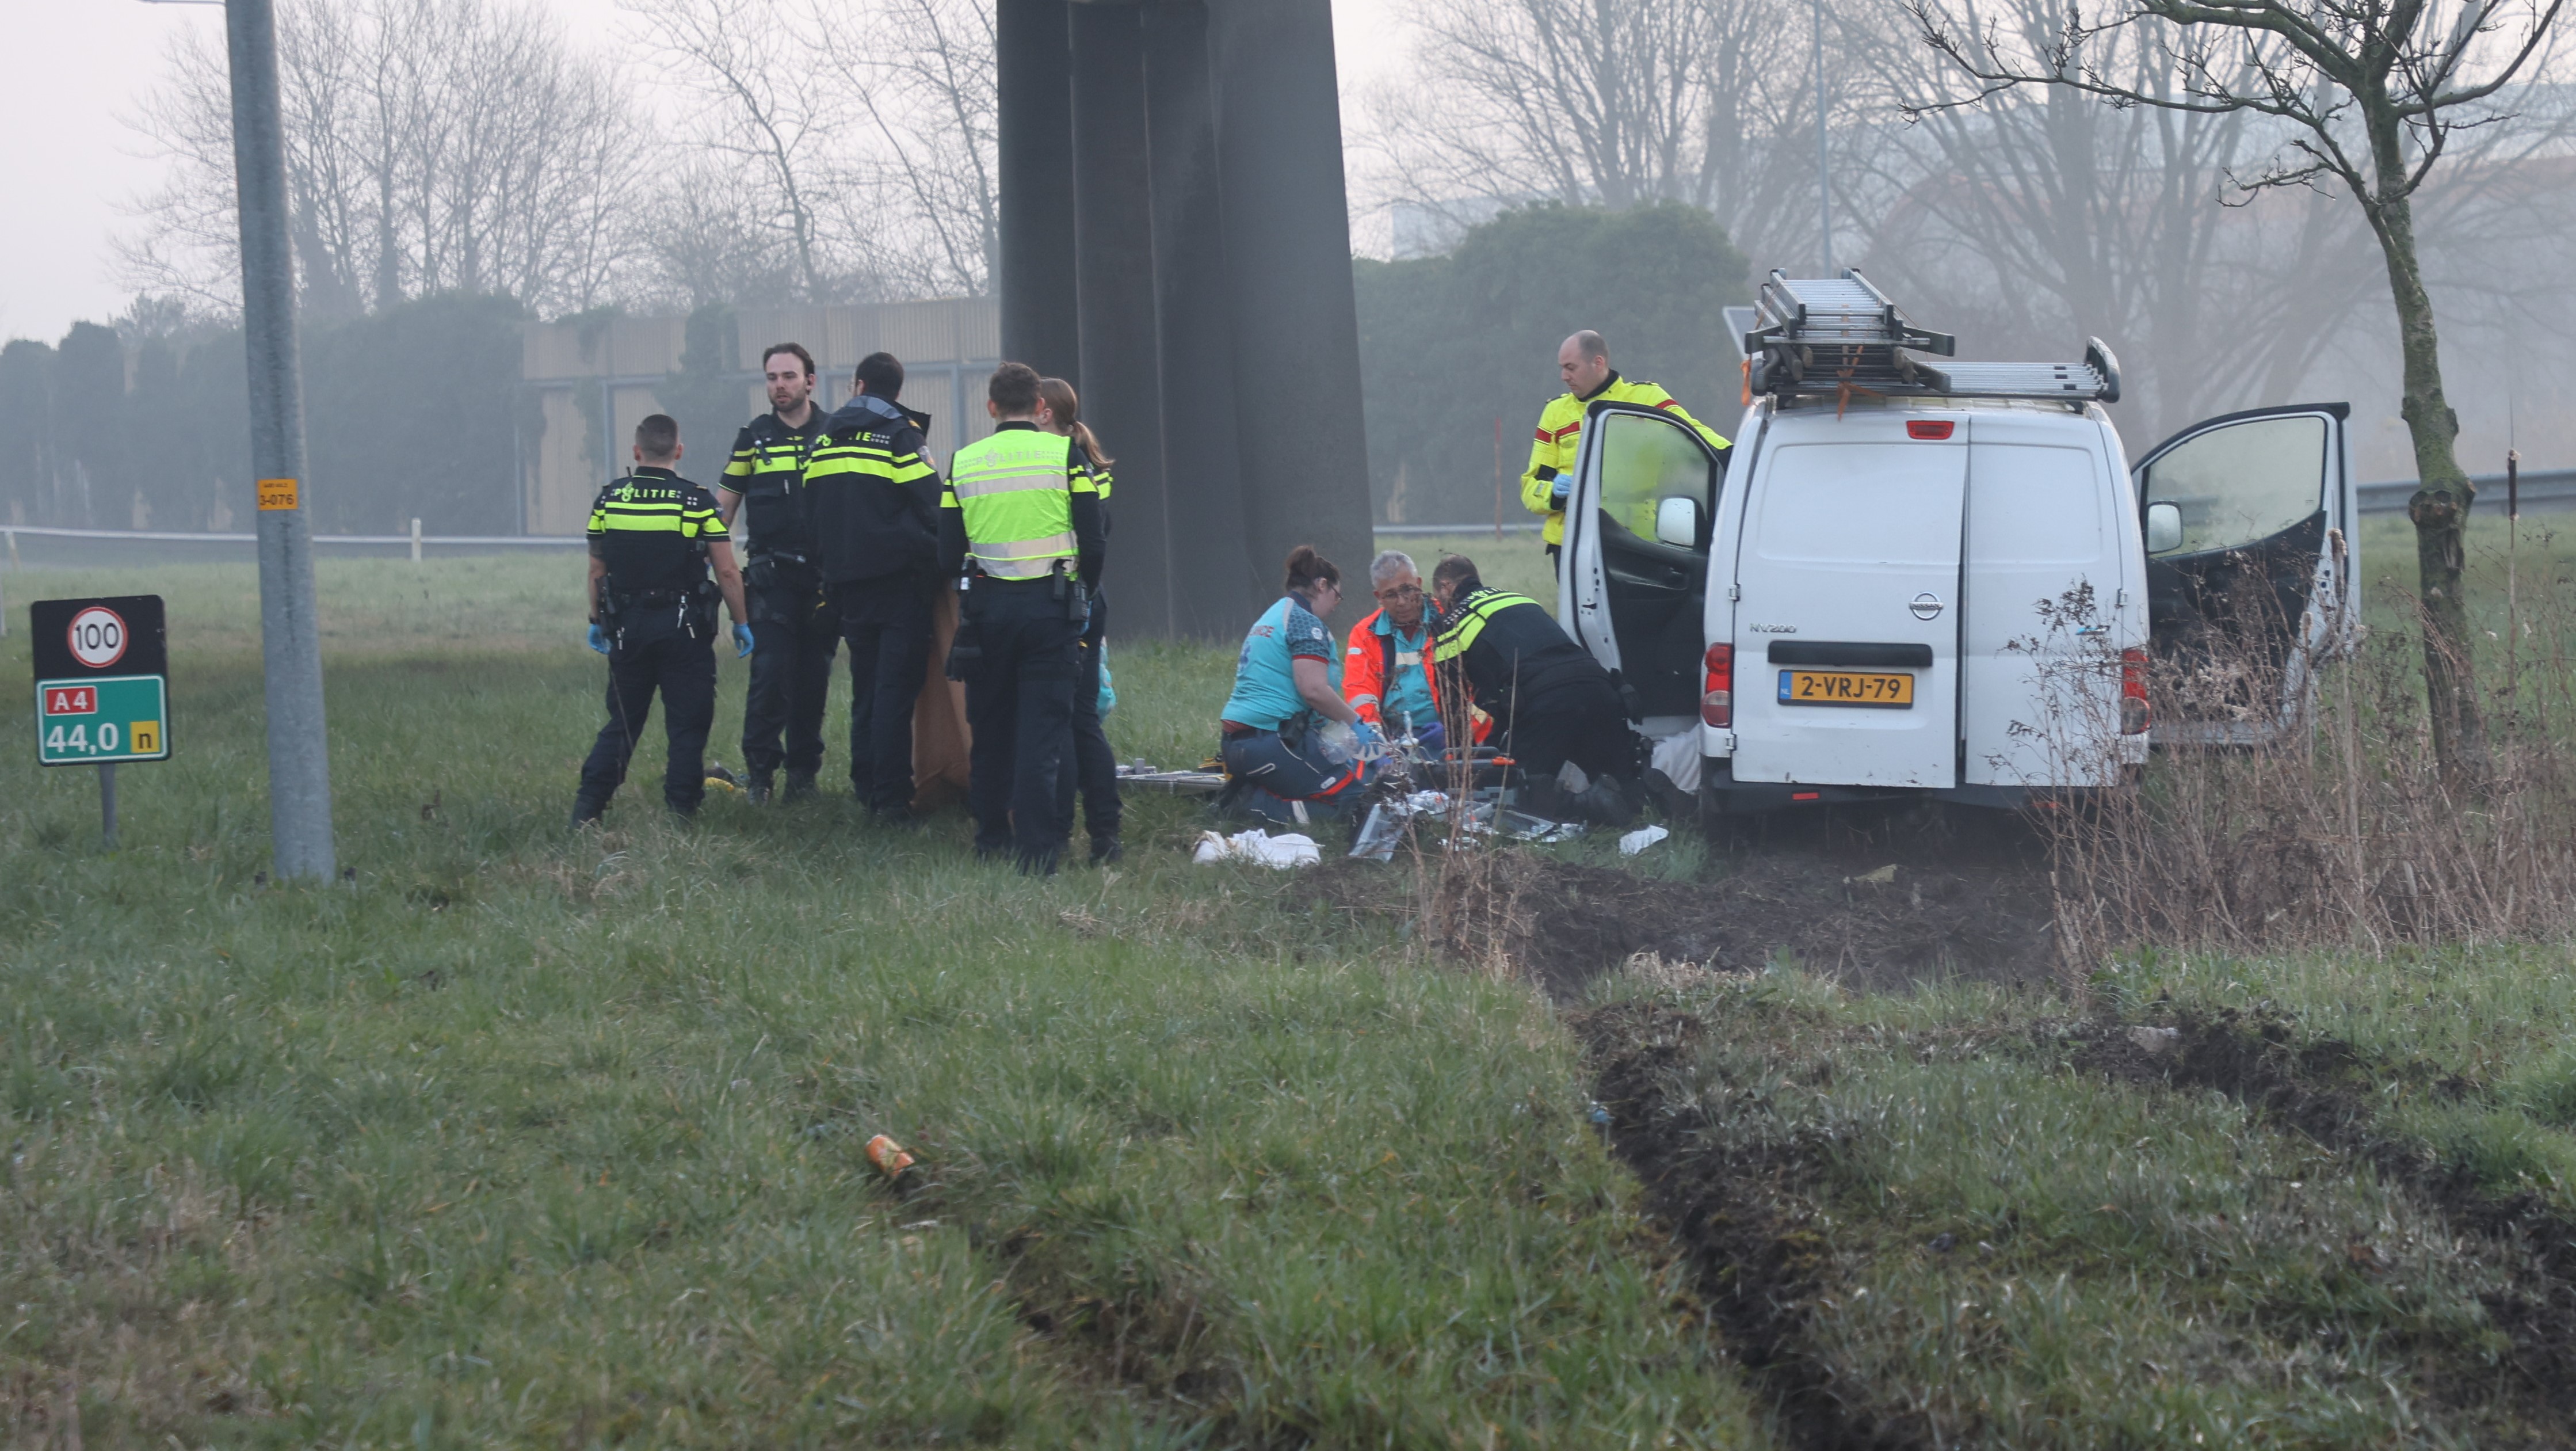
pixel 71 72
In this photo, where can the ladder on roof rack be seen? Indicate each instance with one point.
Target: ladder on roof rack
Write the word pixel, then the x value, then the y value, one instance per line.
pixel 1840 336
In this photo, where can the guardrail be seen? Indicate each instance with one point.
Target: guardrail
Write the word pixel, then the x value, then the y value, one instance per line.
pixel 2543 491
pixel 2546 491
pixel 416 539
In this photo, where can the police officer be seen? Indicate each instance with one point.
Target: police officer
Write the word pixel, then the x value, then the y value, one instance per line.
pixel 653 614
pixel 791 671
pixel 1094 766
pixel 1583 361
pixel 876 520
pixel 1021 520
pixel 1550 700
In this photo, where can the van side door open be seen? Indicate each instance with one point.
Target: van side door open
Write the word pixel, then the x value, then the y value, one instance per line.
pixel 1847 633
pixel 1636 555
pixel 2244 592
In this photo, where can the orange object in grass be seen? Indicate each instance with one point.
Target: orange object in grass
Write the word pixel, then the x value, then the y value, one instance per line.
pixel 888 1156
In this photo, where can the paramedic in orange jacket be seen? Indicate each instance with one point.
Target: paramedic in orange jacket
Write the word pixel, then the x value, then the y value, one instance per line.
pixel 1385 672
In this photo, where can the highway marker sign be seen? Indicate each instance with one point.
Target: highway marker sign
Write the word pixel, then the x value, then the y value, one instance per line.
pixel 102 687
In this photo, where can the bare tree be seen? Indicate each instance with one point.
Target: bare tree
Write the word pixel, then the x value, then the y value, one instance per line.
pixel 1587 101
pixel 702 247
pixel 765 102
pixel 922 71
pixel 447 145
pixel 2368 95
pixel 2035 220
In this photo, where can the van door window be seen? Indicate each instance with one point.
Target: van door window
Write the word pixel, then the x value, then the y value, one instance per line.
pixel 2236 513
pixel 2242 485
pixel 1657 500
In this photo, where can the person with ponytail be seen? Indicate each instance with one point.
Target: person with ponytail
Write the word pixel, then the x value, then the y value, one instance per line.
pixel 1092 764
pixel 1291 740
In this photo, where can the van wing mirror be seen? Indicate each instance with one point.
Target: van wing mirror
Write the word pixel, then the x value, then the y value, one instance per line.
pixel 2164 528
pixel 1677 522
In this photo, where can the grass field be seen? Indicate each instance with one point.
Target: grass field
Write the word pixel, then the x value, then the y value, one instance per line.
pixel 526 1136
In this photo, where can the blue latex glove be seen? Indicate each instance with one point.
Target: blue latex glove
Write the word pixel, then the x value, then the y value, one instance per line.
pixel 1432 738
pixel 599 639
pixel 741 641
pixel 1560 491
pixel 1366 738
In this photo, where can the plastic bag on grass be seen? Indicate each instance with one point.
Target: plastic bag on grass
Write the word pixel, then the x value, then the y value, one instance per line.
pixel 1256 845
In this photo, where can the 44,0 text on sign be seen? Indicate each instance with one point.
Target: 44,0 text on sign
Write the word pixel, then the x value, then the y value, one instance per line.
pixel 101 719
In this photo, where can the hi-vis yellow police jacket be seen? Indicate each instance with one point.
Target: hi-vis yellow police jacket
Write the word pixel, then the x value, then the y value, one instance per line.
pixel 1560 438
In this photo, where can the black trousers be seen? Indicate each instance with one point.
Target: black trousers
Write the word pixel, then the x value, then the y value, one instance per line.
pixel 1019 700
pixel 1090 763
pixel 1574 718
pixel 794 636
pixel 888 624
pixel 683 669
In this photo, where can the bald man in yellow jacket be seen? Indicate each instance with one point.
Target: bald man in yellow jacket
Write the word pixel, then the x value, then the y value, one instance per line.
pixel 1583 361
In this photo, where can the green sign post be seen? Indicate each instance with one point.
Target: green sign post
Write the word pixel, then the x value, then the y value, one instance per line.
pixel 102 688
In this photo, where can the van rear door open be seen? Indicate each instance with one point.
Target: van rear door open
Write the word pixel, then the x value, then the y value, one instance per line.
pixel 1846 635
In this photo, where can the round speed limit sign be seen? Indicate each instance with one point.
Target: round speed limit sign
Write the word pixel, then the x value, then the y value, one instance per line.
pixel 98 637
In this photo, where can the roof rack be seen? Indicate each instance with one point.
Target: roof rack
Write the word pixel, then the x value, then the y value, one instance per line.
pixel 1840 337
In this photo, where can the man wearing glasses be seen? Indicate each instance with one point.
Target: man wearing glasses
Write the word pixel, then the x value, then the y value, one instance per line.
pixel 1385 674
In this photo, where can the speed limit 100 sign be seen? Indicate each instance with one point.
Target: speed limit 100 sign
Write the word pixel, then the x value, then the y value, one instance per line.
pixel 102 680
pixel 97 636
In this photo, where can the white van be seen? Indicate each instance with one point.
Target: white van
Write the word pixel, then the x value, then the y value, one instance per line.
pixel 1911 578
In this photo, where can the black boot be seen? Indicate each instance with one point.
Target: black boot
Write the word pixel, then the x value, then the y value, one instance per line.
pixel 1106 850
pixel 586 812
pixel 800 785
pixel 1606 803
pixel 757 788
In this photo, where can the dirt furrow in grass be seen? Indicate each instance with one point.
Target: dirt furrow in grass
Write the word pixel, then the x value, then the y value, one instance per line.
pixel 1742 1220
pixel 2296 1084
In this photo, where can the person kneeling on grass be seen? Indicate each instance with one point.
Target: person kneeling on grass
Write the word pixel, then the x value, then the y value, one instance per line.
pixel 1551 701
pixel 1386 672
pixel 1292 744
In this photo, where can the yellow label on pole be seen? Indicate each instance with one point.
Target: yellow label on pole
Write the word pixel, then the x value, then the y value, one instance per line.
pixel 276 494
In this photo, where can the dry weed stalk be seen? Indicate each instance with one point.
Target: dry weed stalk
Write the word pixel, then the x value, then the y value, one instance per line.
pixel 1466 900
pixel 2331 823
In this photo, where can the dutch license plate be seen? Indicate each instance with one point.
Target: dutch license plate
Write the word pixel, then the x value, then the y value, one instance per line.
pixel 1847 687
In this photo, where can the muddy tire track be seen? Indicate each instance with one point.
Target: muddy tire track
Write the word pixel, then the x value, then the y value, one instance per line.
pixel 1740 1221
pixel 2313 1087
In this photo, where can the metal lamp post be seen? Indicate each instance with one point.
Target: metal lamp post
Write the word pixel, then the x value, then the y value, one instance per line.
pixel 299 760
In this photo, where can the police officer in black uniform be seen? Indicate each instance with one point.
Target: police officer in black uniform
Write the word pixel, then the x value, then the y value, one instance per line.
pixel 791 671
pixel 653 614
pixel 876 521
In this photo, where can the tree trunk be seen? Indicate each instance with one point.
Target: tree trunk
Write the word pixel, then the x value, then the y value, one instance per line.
pixel 2443 493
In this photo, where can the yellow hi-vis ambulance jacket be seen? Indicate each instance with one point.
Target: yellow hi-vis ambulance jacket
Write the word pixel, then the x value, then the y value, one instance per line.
pixel 1560 438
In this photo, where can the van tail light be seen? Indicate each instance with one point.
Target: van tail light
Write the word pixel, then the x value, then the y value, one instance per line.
pixel 1930 430
pixel 2135 715
pixel 1717 690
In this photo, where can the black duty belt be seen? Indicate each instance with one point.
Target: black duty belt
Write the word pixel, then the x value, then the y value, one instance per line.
pixel 654 598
